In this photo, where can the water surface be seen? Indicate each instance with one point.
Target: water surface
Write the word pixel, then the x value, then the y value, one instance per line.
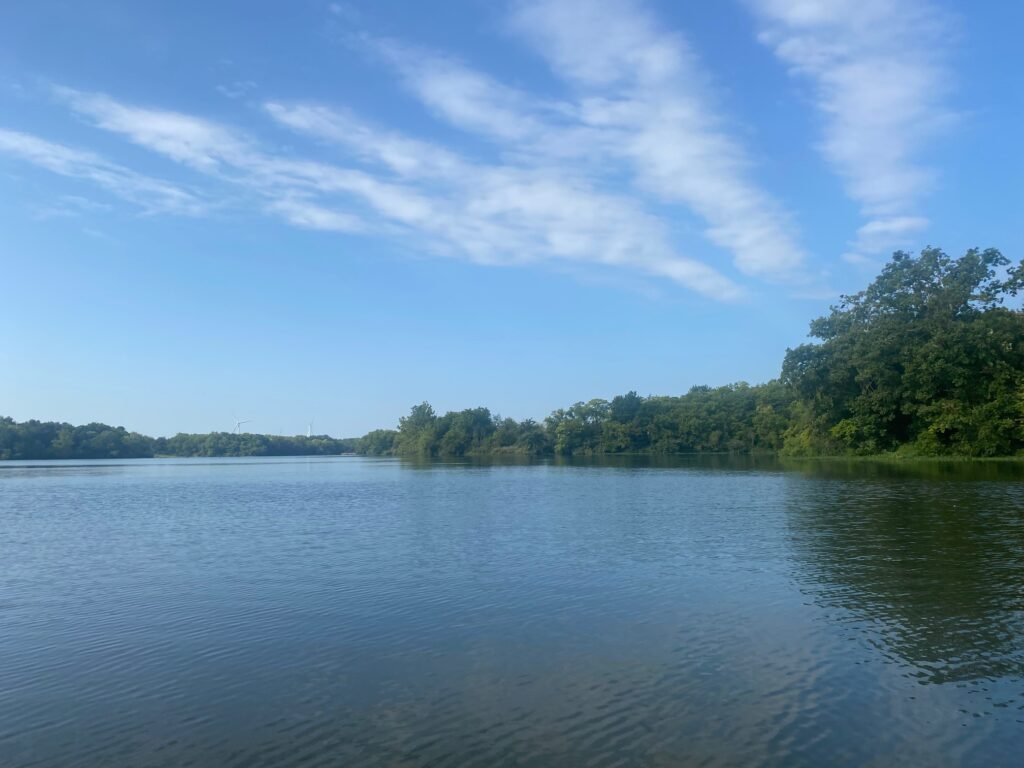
pixel 320 612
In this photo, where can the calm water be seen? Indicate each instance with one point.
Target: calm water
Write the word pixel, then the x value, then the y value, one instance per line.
pixel 322 612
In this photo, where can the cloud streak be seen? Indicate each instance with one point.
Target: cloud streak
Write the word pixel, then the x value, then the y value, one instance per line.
pixel 499 214
pixel 635 105
pixel 151 195
pixel 413 191
pixel 878 80
pixel 645 85
pixel 627 163
pixel 201 144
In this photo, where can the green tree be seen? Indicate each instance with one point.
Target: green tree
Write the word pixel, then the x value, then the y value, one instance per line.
pixel 925 357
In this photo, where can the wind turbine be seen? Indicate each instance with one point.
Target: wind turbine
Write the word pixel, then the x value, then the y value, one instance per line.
pixel 239 423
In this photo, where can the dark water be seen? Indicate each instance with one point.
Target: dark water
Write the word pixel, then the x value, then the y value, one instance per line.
pixel 356 612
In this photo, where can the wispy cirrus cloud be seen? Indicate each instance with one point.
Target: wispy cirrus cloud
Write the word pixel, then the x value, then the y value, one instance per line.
pixel 612 170
pixel 412 190
pixel 500 214
pixel 150 194
pixel 879 80
pixel 645 84
pixel 306 214
pixel 202 144
pixel 463 96
pixel 635 104
pixel 401 154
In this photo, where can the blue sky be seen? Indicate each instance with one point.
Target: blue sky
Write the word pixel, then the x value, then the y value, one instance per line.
pixel 334 210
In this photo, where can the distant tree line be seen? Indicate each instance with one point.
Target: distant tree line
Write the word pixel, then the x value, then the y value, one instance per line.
pixel 250 444
pixel 737 417
pixel 53 440
pixel 926 361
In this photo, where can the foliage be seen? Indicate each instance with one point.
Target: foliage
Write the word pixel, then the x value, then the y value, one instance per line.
pixel 51 440
pixel 737 417
pixel 926 360
pixel 250 444
pixel 473 431
pixel 380 442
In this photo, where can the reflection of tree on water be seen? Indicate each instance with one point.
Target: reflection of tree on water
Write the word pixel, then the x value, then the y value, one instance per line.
pixel 858 469
pixel 936 568
pixel 831 467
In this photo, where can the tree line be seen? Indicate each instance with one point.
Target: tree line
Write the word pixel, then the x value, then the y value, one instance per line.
pixel 55 440
pixel 926 361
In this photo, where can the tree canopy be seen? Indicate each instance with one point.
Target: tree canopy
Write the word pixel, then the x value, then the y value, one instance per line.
pixel 928 360
pixel 53 440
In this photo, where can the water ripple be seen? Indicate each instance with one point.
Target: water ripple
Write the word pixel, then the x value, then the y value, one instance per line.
pixel 350 612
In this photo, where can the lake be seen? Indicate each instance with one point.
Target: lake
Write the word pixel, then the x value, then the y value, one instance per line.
pixel 348 611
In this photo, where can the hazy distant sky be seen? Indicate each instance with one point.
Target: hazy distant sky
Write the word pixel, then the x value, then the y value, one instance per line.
pixel 333 210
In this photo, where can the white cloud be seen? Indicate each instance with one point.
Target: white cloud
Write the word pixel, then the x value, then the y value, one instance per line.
pixel 403 155
pixel 151 195
pixel 879 234
pixel 603 43
pixel 463 96
pixel 415 191
pixel 610 172
pixel 202 144
pixel 496 214
pixel 877 71
pixel 611 168
pixel 307 215
pixel 636 108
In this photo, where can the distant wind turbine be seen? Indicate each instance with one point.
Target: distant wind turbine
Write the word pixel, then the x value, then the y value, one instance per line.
pixel 239 423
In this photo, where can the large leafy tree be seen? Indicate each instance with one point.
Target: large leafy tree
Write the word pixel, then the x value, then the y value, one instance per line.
pixel 927 356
